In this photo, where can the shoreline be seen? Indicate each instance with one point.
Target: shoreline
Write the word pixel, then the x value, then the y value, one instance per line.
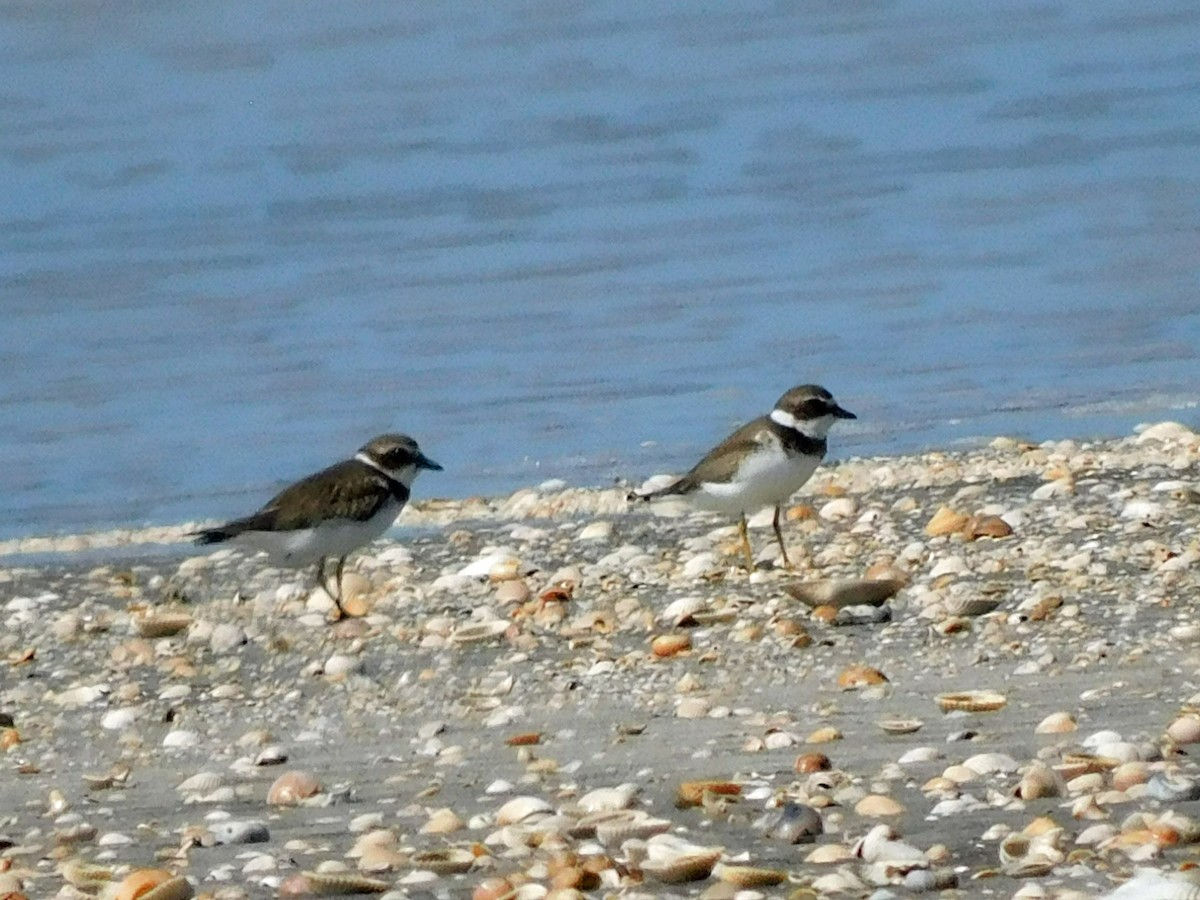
pixel 534 682
pixel 549 500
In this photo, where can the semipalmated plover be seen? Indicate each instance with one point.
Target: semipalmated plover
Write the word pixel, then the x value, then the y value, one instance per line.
pixel 333 512
pixel 762 463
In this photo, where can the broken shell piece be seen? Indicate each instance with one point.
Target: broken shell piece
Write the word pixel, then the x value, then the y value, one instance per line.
pixel 474 632
pixel 844 592
pixel 971 701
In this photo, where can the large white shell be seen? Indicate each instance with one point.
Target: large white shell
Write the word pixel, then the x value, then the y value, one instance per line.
pixel 520 809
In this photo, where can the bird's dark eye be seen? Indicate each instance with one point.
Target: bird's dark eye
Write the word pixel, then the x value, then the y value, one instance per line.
pixel 815 407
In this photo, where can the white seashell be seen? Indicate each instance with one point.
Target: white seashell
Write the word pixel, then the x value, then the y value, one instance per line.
pixel 880 845
pixel 991 763
pixel 483 567
pixel 1150 884
pixel 920 755
pixel 521 809
pixel 681 611
pixel 608 799
pixel 180 739
pixel 118 719
pixel 950 565
pixel 200 783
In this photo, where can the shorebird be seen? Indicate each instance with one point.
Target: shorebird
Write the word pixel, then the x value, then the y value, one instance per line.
pixel 333 512
pixel 762 463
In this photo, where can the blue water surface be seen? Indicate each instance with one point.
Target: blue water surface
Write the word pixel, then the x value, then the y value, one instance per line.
pixel 575 240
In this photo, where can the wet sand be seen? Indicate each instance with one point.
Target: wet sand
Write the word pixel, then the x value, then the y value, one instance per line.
pixel 531 617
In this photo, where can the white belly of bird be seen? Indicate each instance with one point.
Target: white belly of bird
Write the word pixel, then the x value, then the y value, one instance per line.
pixel 766 478
pixel 334 538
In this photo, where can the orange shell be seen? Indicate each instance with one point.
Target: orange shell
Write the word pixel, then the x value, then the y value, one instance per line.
pixel 153 884
pixel 691 793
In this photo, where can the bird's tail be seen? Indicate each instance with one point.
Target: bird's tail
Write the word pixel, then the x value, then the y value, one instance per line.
pixel 670 490
pixel 211 535
pixel 221 533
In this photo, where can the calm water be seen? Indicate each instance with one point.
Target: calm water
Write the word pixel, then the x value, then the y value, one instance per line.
pixel 236 240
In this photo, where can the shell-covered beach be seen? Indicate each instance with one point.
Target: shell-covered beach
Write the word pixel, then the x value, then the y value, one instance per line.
pixel 980 681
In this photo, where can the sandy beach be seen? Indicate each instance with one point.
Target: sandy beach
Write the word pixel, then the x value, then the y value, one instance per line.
pixel 533 685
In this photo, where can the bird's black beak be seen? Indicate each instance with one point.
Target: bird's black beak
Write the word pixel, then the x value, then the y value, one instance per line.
pixel 424 462
pixel 840 413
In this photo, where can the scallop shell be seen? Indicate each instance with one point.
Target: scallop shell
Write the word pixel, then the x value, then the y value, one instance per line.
pixel 444 861
pixel 292 787
pixel 749 876
pixel 838 593
pixel 675 861
pixel 971 701
pixel 342 884
pixel 160 624
pixel 200 783
pixel 474 632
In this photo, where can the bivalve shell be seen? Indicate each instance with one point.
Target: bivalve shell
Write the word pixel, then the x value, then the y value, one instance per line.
pixel 160 624
pixel 342 884
pixel 153 884
pixel 748 876
pixel 519 809
pixel 291 788
pixel 845 592
pixel 971 701
pixel 667 645
pixel 444 861
pixel 691 793
pixel 672 860
pixel 859 676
